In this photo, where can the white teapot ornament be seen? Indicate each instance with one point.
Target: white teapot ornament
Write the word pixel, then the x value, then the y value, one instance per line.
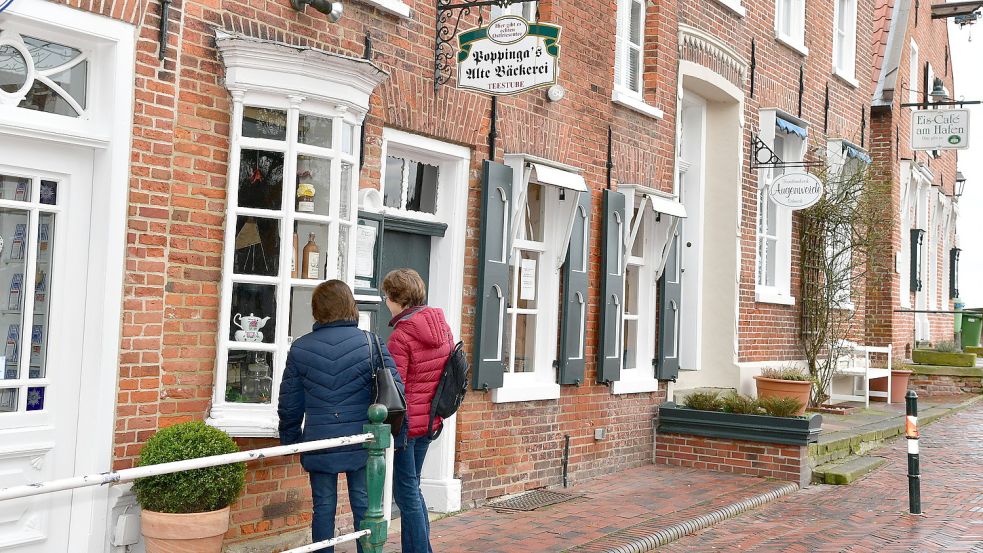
pixel 249 327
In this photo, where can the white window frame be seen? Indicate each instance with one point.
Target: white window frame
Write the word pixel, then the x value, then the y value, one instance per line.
pixel 735 6
pixel 845 40
pixel 301 85
pixel 622 93
pixel 525 10
pixel 909 198
pixel 914 74
pixel 794 37
pixel 792 151
pixel 936 240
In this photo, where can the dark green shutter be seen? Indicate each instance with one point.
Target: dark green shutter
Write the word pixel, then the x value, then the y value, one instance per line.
pixel 573 328
pixel 670 294
pixel 493 276
pixel 917 236
pixel 612 288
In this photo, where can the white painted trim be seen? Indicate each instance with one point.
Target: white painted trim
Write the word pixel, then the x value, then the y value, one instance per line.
pixel 770 294
pixel 792 44
pixel 394 7
pixel 848 79
pixel 635 381
pixel 734 6
pixel 634 102
pixel 524 387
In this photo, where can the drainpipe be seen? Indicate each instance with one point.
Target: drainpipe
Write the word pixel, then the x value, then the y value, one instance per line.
pixel 566 457
pixel 610 164
pixel 493 129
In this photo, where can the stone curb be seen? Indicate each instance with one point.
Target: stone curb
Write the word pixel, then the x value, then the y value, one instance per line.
pixel 639 542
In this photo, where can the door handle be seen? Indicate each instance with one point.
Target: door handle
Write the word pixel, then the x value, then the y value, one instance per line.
pixel 689 244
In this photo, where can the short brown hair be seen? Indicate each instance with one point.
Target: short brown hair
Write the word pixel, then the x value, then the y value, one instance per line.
pixel 405 287
pixel 333 301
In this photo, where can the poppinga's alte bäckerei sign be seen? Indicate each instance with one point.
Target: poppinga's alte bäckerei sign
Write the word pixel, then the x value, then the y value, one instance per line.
pixel 508 56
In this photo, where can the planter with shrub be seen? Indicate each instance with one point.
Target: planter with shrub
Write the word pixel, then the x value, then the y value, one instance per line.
pixel 943 356
pixel 736 433
pixel 187 511
pixel 784 383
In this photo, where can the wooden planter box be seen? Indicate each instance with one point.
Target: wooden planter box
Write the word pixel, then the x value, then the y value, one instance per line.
pixel 753 428
pixel 756 445
pixel 942 358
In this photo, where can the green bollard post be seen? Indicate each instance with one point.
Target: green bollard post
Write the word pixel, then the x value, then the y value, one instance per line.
pixel 375 477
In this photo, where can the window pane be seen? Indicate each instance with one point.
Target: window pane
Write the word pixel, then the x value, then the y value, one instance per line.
pixel 421 193
pixel 635 25
pixel 257 246
pixel 47 54
pixel 392 193
pixel 49 192
pixel 525 275
pixel 344 237
pixel 301 317
pixel 260 179
pixel 311 247
pixel 253 313
pixel 313 185
pixel 525 344
pixel 72 81
pixel 348 138
pixel 42 290
pixel 630 345
pixel 345 202
pixel 534 212
pixel 8 399
pixel 632 288
pixel 41 97
pixel 35 398
pixel 14 229
pixel 13 69
pixel 638 247
pixel 264 123
pixel 249 377
pixel 314 130
pixel 14 188
pixel 634 69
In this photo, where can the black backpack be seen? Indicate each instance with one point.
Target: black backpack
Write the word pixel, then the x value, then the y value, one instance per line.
pixel 451 388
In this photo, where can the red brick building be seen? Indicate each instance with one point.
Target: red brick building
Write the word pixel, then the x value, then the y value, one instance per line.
pixel 617 248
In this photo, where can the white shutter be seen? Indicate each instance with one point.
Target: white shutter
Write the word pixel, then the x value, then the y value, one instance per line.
pixel 621 43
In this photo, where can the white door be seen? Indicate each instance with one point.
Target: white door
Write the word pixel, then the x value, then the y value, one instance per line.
pixel 692 151
pixel 45 196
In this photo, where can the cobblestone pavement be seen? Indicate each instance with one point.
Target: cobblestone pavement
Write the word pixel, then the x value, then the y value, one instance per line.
pixel 872 513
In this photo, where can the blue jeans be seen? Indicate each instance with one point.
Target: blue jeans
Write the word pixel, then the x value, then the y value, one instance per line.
pixel 407 464
pixel 324 489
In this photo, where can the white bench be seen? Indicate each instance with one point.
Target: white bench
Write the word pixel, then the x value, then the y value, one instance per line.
pixel 855 364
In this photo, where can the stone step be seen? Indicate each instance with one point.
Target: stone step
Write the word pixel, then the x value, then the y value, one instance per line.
pixel 846 471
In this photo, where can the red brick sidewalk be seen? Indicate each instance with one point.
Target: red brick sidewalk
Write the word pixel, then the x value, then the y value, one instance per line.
pixel 871 514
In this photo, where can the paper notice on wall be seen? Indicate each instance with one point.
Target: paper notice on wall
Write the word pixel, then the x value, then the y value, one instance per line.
pixel 527 279
pixel 365 251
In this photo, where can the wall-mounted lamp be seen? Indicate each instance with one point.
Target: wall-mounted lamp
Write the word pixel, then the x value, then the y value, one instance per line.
pixel 939 92
pixel 960 184
pixel 331 9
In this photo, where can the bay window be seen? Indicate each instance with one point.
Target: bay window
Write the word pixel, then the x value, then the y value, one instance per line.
pixel 786 136
pixel 290 214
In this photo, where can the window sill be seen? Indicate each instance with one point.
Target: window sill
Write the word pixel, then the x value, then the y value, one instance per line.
pixel 634 383
pixel 790 43
pixel 245 421
pixel 734 6
pixel 848 79
pixel 524 387
pixel 766 295
pixel 846 306
pixel 630 101
pixel 393 7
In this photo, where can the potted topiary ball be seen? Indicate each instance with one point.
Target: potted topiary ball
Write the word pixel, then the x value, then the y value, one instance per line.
pixel 187 511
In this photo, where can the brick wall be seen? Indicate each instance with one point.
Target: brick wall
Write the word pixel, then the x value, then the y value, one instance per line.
pixel 780 461
pixel 944 384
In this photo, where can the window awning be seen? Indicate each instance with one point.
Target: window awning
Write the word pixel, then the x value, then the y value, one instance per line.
pixel 544 174
pixel 790 127
pixel 852 151
pixel 668 206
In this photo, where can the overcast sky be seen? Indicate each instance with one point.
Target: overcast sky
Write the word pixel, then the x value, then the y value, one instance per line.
pixel 966 55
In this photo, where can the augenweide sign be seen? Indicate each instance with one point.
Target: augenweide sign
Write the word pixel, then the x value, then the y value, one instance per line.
pixel 508 56
pixel 796 190
pixel 940 129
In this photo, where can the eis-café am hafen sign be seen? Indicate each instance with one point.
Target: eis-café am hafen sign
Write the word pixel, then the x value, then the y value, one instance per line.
pixel 940 129
pixel 508 56
pixel 796 190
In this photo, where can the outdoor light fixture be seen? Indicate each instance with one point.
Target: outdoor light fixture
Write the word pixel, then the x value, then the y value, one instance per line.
pixel 960 184
pixel 331 9
pixel 939 92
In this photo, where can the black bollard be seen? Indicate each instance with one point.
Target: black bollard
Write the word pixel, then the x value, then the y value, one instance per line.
pixel 914 473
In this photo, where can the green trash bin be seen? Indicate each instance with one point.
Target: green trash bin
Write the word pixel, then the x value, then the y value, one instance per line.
pixel 972 324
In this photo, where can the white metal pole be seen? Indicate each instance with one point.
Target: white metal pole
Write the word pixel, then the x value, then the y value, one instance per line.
pixel 127 475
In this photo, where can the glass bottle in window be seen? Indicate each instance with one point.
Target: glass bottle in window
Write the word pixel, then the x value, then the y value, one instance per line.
pixel 312 258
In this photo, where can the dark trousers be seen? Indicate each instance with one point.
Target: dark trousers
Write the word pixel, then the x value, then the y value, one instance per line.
pixel 415 526
pixel 324 489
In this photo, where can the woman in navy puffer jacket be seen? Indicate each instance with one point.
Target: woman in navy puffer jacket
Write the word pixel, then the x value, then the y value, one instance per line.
pixel 327 385
pixel 420 343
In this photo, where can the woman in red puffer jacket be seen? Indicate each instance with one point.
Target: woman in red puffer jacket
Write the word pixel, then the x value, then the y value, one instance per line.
pixel 420 344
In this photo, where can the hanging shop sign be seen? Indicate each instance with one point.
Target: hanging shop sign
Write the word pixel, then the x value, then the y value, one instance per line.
pixel 508 56
pixel 940 129
pixel 796 190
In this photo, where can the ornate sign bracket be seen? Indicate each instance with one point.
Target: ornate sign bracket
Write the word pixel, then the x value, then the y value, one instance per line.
pixel 448 24
pixel 763 157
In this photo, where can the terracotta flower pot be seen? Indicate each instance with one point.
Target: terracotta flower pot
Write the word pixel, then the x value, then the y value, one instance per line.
pixel 184 533
pixel 773 387
pixel 899 386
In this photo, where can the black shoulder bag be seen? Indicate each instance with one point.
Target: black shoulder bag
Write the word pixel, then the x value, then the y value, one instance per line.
pixel 384 388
